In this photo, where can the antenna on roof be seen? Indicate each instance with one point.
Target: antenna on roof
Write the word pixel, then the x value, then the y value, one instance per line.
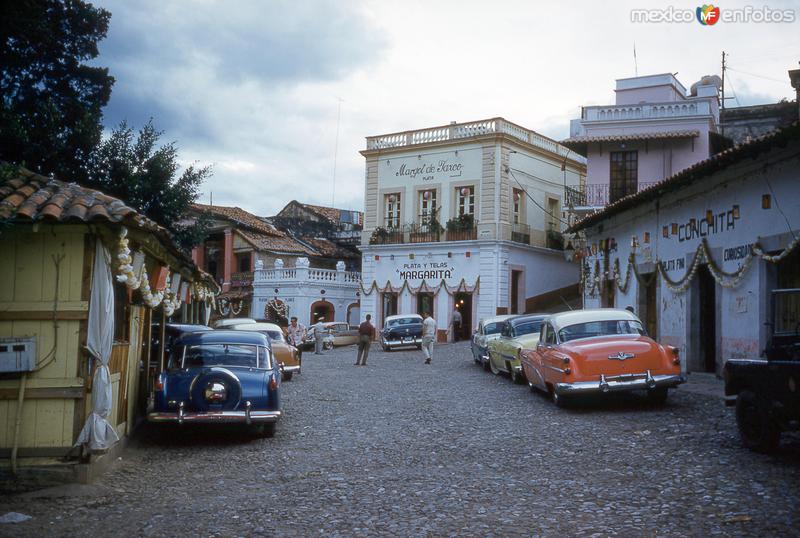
pixel 635 62
pixel 211 198
pixel 336 150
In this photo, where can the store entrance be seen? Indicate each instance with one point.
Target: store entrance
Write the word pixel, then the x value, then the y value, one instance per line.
pixel 463 303
pixel 425 304
pixel 707 320
pixel 388 306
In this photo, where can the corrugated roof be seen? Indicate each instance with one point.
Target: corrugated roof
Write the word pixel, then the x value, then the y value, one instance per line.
pixel 698 170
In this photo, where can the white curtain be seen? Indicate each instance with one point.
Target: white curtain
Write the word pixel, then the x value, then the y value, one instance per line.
pixel 97 432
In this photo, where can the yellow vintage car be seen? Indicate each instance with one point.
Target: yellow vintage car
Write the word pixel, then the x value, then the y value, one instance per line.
pixel 518 333
pixel 283 352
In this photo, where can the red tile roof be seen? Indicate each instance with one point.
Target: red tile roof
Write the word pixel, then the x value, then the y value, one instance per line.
pixel 30 197
pixel 239 216
pixel 694 172
pixel 328 249
pixel 279 244
pixel 623 137
pixel 33 197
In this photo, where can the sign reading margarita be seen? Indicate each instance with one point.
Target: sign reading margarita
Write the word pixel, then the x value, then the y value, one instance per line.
pixel 428 271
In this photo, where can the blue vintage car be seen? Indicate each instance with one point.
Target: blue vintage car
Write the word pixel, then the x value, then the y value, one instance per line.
pixel 220 377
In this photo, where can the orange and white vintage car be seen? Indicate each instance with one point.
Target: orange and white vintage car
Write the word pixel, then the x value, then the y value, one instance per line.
pixel 599 351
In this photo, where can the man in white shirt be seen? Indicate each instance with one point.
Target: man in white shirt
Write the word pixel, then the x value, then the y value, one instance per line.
pixel 428 336
pixel 296 333
pixel 319 332
pixel 456 323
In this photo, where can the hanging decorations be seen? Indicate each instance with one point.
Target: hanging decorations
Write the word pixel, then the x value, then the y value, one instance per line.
pixel 131 272
pixel 279 307
pixel 729 280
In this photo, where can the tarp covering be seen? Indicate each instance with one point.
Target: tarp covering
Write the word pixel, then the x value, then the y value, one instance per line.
pixel 98 433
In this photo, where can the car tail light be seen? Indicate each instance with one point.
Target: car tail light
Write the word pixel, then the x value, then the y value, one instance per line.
pixel 566 360
pixel 676 355
pixel 158 385
pixel 567 371
pixel 273 383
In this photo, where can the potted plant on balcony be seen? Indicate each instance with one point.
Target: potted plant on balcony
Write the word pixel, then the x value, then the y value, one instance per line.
pixel 379 236
pixel 461 227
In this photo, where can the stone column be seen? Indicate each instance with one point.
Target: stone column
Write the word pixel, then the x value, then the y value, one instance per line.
pixel 227 260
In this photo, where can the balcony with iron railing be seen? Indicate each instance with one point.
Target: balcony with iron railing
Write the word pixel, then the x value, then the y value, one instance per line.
pixel 458 131
pixel 521 233
pixel 463 228
pixel 597 195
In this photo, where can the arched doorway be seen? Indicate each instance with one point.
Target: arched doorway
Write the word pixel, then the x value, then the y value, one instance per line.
pixel 322 308
pixel 354 314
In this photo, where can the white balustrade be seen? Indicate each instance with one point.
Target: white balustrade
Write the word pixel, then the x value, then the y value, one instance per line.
pixel 306 275
pixel 673 109
pixel 466 130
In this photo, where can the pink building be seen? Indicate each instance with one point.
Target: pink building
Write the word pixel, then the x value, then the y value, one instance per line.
pixel 655 129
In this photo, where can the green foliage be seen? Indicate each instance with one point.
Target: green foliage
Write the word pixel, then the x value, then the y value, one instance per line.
pixel 133 167
pixel 461 223
pixel 50 100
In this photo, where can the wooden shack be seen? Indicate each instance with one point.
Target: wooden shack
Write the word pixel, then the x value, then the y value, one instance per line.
pixel 49 234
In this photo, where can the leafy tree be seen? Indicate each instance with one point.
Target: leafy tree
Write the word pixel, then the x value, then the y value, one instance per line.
pixel 50 99
pixel 134 168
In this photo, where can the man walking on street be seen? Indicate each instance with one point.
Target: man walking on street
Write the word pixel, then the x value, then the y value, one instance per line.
pixel 296 334
pixel 366 333
pixel 456 322
pixel 428 336
pixel 319 331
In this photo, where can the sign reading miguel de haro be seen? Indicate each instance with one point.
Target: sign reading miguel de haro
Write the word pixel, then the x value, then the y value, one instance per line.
pixel 430 271
pixel 427 170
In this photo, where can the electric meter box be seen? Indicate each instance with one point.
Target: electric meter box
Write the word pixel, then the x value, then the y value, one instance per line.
pixel 17 354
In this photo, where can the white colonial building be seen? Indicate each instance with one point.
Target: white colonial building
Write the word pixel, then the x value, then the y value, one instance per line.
pixel 700 255
pixel 466 216
pixel 306 292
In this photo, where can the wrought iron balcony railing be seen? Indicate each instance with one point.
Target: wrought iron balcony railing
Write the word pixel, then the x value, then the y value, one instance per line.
pixel 521 233
pixel 600 194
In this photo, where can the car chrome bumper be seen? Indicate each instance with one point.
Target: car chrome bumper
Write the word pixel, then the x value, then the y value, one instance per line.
pixel 291 369
pixel 625 382
pixel 245 417
pixel 394 343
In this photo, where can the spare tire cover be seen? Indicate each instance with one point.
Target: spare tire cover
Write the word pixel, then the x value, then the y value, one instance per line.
pixel 216 389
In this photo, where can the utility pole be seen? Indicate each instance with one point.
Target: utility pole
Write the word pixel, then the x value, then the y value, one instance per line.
pixel 722 103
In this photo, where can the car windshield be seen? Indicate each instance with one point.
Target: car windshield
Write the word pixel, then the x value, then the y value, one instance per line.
pixel 274 335
pixel 403 321
pixel 591 329
pixel 243 355
pixel 492 328
pixel 528 327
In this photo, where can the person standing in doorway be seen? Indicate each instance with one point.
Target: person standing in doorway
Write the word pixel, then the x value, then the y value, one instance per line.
pixel 366 334
pixel 455 322
pixel 319 334
pixel 296 333
pixel 428 336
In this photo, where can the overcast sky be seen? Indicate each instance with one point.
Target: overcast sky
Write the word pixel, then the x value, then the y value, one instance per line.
pixel 252 87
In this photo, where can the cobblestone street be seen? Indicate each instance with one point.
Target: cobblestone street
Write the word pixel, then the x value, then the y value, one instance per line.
pixel 400 448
